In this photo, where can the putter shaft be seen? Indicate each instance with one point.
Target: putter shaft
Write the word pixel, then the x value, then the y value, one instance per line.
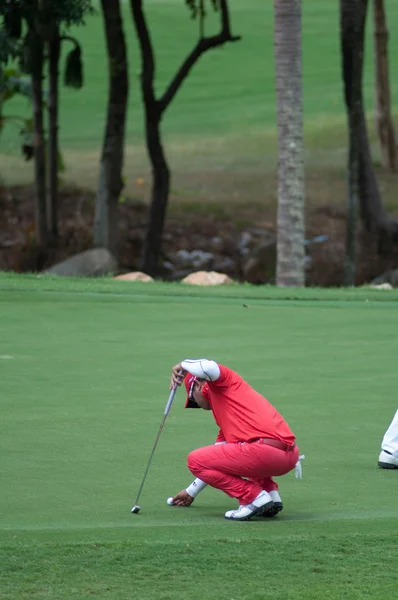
pixel 166 412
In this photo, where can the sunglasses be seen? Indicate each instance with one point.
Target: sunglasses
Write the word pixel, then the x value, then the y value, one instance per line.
pixel 192 387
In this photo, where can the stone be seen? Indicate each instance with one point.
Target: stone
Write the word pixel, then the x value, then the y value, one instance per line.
pixel 382 286
pixel 260 264
pixel 390 277
pixel 193 258
pixel 224 264
pixel 207 278
pixel 96 262
pixel 245 243
pixel 134 276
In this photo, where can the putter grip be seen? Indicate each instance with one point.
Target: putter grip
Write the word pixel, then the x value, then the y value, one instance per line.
pixel 171 398
pixel 170 401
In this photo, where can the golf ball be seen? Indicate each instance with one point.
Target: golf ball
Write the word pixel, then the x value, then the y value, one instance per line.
pixel 170 501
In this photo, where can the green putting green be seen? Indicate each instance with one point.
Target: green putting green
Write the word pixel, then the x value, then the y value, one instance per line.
pixel 85 369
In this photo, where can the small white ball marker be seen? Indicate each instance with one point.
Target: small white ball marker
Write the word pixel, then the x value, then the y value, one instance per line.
pixel 170 501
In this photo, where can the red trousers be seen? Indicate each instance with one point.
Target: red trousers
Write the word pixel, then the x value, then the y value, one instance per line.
pixel 242 470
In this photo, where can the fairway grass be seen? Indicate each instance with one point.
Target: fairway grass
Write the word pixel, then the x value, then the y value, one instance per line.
pixel 223 120
pixel 84 366
pixel 238 565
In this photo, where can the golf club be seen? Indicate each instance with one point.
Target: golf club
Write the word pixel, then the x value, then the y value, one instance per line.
pixel 136 508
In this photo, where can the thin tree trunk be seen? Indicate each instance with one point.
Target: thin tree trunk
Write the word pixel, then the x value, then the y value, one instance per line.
pixel 290 220
pixel 53 147
pixel 373 215
pixel 352 62
pixel 110 183
pixel 384 122
pixel 154 109
pixel 350 266
pixel 39 144
pixel 159 196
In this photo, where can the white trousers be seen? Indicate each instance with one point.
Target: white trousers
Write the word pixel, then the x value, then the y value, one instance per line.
pixel 390 439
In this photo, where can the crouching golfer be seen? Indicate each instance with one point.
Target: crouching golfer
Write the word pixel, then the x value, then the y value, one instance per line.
pixel 254 443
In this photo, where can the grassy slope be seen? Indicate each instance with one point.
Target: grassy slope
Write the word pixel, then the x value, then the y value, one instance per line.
pixel 224 117
pixel 82 399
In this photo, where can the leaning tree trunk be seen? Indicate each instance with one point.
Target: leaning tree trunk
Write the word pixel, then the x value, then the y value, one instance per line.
pixel 110 183
pixel 54 47
pixel 290 220
pixel 154 109
pixel 384 121
pixel 39 143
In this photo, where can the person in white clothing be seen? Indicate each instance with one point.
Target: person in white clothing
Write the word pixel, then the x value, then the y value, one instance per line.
pixel 388 457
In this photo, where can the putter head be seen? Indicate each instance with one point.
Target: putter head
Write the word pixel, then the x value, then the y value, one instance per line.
pixel 136 509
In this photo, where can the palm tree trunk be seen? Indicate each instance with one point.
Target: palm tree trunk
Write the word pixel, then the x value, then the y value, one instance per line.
pixel 290 219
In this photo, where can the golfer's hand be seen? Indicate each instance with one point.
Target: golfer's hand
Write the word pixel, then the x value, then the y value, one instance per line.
pixel 177 376
pixel 183 499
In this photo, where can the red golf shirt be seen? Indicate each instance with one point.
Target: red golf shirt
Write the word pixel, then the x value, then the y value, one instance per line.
pixel 243 414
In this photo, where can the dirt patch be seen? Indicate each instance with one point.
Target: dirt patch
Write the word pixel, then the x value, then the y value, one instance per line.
pixel 213 228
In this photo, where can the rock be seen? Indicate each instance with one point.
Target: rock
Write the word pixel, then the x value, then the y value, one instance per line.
pixel 168 265
pixel 244 243
pixel 224 264
pixel 207 278
pixel 193 258
pixel 217 243
pixel 382 286
pixel 134 276
pixel 260 264
pixel 390 277
pixel 91 263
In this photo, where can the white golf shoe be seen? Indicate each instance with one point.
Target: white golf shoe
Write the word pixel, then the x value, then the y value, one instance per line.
pixel 387 460
pixel 245 511
pixel 275 497
pixel 275 508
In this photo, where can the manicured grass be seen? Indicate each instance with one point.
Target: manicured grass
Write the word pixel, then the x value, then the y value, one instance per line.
pixel 225 115
pixel 232 89
pixel 13 282
pixel 237 566
pixel 85 369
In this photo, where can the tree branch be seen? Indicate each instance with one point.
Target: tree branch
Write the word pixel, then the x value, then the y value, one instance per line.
pixel 69 38
pixel 147 55
pixel 202 46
